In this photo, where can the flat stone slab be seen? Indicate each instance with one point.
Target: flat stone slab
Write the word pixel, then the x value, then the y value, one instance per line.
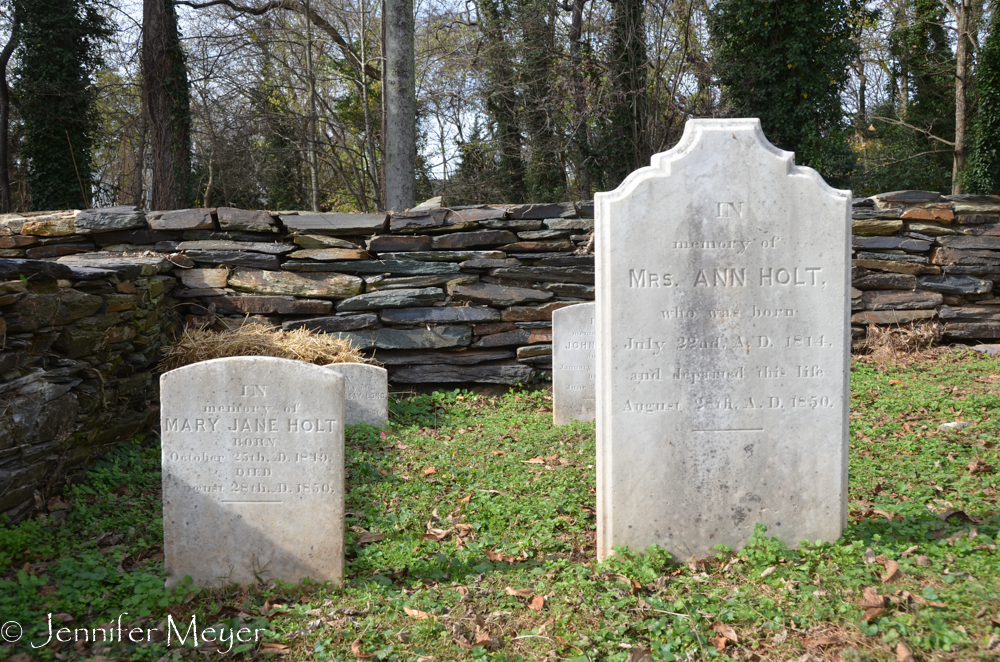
pixel 722 369
pixel 107 219
pixel 488 373
pixel 497 295
pixel 440 314
pixel 366 393
pixel 235 258
pixel 265 305
pixel 225 245
pixel 392 299
pixel 334 223
pixel 253 472
pixel 400 267
pixel 181 219
pixel 322 286
pixel 901 299
pixel 574 364
pixel 334 323
pixel 434 337
pixel 231 218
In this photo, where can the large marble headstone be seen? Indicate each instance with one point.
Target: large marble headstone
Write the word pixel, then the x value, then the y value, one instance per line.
pixel 366 393
pixel 253 471
pixel 722 368
pixel 574 348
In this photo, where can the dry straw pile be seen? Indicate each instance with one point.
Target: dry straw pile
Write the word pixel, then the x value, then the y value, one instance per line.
pixel 902 344
pixel 254 339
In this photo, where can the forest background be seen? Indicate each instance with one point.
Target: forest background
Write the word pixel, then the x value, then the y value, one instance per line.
pixel 280 104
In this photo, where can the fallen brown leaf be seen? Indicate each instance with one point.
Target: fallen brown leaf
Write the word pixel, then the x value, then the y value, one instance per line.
pixel 903 653
pixel 367 537
pixel 871 613
pixel 909 551
pixel 534 460
pixel 639 654
pixel 719 643
pixel 825 640
pixel 356 649
pixel 493 556
pixel 280 649
pixel 537 603
pixel 892 572
pixel 417 614
pixel 430 470
pixel 465 499
pixel 871 598
pixel 518 592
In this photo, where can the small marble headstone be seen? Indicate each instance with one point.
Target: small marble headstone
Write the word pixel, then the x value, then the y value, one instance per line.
pixel 723 275
pixel 253 471
pixel 574 347
pixel 366 392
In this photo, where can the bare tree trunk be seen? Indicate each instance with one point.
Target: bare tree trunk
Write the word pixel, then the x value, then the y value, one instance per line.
pixel 862 118
pixel 400 107
pixel 5 118
pixel 166 105
pixel 311 123
pixel 579 100
pixel 963 22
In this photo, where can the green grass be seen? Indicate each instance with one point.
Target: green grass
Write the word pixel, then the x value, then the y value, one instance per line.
pixel 447 564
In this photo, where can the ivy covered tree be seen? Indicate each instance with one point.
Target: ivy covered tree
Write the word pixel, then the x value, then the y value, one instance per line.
pixel 983 172
pixel 53 91
pixel 787 62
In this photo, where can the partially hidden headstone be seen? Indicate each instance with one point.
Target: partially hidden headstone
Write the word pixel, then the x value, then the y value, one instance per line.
pixel 366 393
pixel 722 369
pixel 253 471
pixel 574 350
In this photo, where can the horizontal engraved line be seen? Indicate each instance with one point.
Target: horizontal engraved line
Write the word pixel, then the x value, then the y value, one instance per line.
pixel 732 430
pixel 253 502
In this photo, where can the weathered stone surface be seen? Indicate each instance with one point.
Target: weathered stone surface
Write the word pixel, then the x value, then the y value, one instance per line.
pixel 574 290
pixel 576 224
pixel 392 244
pixel 366 393
pixel 404 267
pixel 896 266
pixel 265 305
pixel 991 271
pixel 983 242
pixel 326 286
pixel 901 300
pixel 329 254
pixel 333 323
pixel 58 226
pixel 497 295
pixel 585 209
pixel 892 243
pixel 907 197
pixel 435 337
pixel 493 327
pixel 547 274
pixel 392 299
pixel 977 219
pixel 932 229
pixel 892 316
pixel 231 218
pixel 181 219
pixel 565 261
pixel 254 246
pixel 198 292
pixel 57 250
pixel 107 219
pixel 490 263
pixel 488 373
pixel 676 421
pixel 542 211
pixel 516 337
pixel 533 313
pixel 129 267
pixel 140 237
pixel 869 213
pixel 256 494
pixel 535 354
pixel 334 223
pixel 972 330
pixel 950 256
pixel 970 313
pixel 203 277
pixel 462 240
pixel 939 215
pixel 17 241
pixel 11 252
pixel 229 235
pixel 380 283
pixel 574 359
pixel 444 256
pixel 871 228
pixel 956 284
pixel 440 314
pixel 876 280
pixel 896 256
pixel 978 230
pixel 974 204
pixel 535 235
pixel 453 357
pixel 555 245
pixel 321 241
pixel 236 259
pixel 513 225
pixel 475 214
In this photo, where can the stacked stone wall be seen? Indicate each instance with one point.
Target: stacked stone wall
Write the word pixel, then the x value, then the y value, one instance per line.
pixel 79 347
